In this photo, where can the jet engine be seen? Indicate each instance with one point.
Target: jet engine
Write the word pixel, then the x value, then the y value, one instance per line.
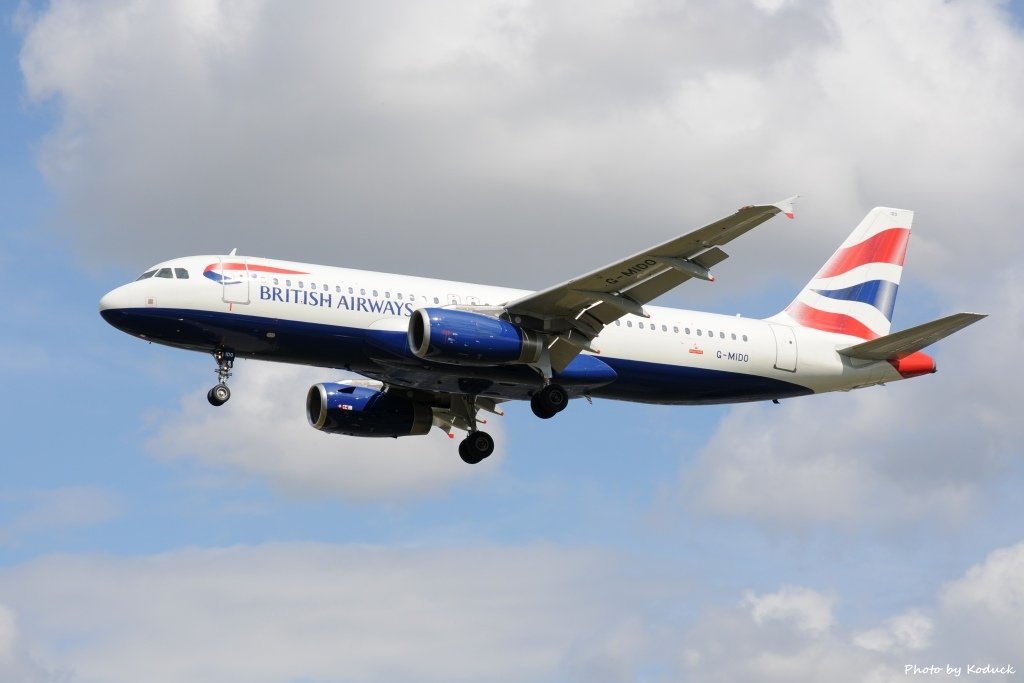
pixel 339 408
pixel 467 338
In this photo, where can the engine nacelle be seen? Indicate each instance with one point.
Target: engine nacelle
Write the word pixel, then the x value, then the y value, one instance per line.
pixel 338 408
pixel 467 338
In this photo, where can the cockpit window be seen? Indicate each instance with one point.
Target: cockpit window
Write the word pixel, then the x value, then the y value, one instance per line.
pixel 148 273
pixel 181 273
pixel 164 272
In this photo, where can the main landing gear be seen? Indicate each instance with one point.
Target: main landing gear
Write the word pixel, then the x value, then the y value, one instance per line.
pixel 219 395
pixel 476 447
pixel 549 401
pixel 546 403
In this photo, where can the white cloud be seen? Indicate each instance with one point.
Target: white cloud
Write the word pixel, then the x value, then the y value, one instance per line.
pixel 262 431
pixel 8 633
pixel 926 450
pixel 56 510
pixel 904 633
pixel 984 610
pixel 995 586
pixel 793 634
pixel 316 612
pixel 199 126
pixel 808 610
pixel 533 612
pixel 15 665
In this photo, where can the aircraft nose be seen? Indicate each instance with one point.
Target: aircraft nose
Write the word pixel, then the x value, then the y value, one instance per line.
pixel 111 305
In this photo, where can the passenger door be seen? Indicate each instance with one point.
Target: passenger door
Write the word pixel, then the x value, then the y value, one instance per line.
pixel 235 280
pixel 785 348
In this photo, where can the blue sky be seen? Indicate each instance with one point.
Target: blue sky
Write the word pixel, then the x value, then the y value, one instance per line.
pixel 838 537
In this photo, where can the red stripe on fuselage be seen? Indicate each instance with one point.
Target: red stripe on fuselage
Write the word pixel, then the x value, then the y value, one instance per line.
pixel 888 246
pixel 828 322
pixel 254 268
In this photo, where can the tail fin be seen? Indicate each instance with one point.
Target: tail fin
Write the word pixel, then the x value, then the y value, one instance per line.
pixel 855 291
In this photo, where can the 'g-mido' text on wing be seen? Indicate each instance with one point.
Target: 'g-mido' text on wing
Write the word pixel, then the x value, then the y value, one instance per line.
pixel 436 353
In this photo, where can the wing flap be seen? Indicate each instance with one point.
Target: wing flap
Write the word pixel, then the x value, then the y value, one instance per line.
pixel 902 344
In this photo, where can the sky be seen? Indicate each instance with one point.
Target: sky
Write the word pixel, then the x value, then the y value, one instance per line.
pixel 147 536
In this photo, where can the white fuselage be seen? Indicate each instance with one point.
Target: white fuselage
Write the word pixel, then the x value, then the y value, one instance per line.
pixel 323 315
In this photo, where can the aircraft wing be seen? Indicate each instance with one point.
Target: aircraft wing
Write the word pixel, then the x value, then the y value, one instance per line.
pixel 575 311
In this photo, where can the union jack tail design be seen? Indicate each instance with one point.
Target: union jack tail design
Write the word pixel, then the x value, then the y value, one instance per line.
pixel 855 291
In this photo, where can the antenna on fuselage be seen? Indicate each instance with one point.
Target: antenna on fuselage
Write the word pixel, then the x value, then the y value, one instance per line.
pixel 233 251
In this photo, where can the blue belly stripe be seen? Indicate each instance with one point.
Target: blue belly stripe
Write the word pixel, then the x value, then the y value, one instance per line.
pixel 353 349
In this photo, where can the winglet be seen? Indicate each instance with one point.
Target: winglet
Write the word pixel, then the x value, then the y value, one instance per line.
pixel 786 205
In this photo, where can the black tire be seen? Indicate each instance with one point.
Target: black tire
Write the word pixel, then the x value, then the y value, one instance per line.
pixel 218 395
pixel 539 409
pixel 549 401
pixel 476 447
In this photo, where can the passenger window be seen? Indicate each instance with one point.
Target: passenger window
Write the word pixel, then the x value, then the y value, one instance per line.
pixel 734 336
pixel 301 285
pixel 399 295
pixel 744 337
pixel 326 288
pixel 699 333
pixel 721 335
pixel 710 333
pixel 686 330
pixel 436 301
pixel 312 285
pixel 640 325
pixel 164 272
pixel 351 291
pixel 337 289
pixel 181 273
pixel 362 292
pixel 287 283
pixel 618 322
pixel 629 323
pixel 147 274
pixel 675 329
pixel 275 280
pixel 387 295
pixel 664 328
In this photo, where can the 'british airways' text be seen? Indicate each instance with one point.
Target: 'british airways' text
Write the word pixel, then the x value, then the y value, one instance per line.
pixel 305 297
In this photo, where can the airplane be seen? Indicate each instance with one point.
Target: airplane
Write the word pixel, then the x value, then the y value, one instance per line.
pixel 435 353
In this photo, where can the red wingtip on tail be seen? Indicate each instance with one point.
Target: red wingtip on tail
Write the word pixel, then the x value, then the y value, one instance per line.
pixel 917 363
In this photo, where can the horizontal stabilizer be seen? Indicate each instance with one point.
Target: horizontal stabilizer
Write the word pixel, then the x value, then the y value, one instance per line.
pixel 902 344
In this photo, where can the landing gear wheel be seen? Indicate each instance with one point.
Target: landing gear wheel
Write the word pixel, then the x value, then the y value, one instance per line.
pixel 476 447
pixel 549 401
pixel 218 395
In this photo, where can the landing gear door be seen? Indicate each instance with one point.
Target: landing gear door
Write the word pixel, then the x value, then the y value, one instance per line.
pixel 235 280
pixel 785 348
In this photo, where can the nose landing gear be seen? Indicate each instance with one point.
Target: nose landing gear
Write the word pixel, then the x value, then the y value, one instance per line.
pixel 219 395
